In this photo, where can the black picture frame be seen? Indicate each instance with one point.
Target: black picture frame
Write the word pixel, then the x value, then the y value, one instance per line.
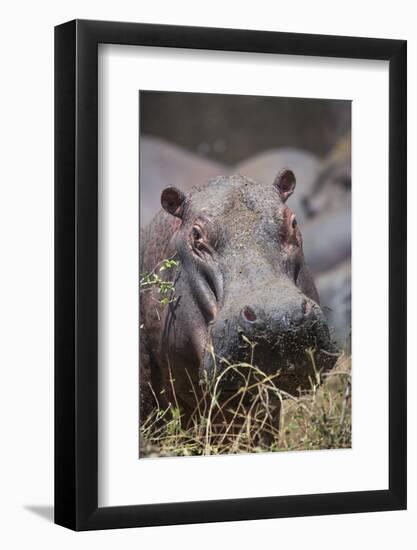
pixel 76 271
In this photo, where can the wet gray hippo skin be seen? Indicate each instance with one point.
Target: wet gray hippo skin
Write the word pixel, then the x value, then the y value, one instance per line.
pixel 242 272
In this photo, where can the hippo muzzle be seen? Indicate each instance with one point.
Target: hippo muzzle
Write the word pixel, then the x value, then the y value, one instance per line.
pixel 288 335
pixel 243 295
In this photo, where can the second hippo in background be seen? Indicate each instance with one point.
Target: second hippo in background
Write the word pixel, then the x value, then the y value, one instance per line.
pixel 331 189
pixel 327 240
pixel 334 287
pixel 327 208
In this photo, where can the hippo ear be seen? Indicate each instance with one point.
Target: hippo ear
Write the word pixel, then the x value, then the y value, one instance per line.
pixel 173 201
pixel 285 183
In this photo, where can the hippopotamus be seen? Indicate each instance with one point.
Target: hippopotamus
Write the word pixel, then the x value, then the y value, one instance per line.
pixel 240 276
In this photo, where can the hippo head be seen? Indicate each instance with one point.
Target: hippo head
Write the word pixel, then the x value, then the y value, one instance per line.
pixel 243 279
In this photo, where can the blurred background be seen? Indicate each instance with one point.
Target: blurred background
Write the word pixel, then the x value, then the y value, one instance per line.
pixel 231 128
pixel 188 138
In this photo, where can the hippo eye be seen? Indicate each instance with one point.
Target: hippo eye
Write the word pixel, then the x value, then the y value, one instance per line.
pixel 196 234
pixel 294 223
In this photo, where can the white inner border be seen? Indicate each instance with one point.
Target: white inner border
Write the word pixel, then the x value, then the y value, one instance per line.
pixel 123 478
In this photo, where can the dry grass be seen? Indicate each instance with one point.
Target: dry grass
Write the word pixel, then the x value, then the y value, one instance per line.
pixel 248 421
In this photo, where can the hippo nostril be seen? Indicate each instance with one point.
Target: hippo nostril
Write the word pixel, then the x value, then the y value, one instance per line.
pixel 297 316
pixel 306 307
pixel 248 314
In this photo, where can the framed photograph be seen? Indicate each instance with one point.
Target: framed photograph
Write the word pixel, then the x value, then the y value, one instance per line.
pixel 230 275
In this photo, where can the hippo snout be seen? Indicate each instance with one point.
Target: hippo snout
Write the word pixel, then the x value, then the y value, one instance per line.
pixel 283 334
pixel 254 319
